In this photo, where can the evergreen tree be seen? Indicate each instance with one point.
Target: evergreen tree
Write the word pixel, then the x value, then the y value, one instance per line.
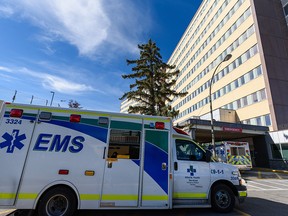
pixel 154 80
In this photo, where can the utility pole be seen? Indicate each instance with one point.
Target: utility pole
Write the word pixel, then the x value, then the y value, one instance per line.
pixel 14 97
pixel 210 102
pixel 32 99
pixel 52 97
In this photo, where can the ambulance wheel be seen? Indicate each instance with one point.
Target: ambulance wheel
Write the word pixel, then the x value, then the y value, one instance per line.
pixel 58 201
pixel 223 199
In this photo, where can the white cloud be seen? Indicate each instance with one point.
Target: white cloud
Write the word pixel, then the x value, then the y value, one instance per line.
pixel 5 69
pixel 58 84
pixel 62 85
pixel 90 25
pixel 6 11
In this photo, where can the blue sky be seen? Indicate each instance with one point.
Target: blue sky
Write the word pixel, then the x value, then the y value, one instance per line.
pixel 78 48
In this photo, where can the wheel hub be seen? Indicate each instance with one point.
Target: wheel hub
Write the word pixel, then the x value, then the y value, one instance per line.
pixel 222 199
pixel 57 205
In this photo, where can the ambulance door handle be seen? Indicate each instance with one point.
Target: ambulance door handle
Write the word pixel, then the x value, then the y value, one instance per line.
pixel 110 164
pixel 164 166
pixel 175 166
pixel 104 152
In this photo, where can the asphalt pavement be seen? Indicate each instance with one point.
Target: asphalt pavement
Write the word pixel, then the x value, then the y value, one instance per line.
pixel 267 195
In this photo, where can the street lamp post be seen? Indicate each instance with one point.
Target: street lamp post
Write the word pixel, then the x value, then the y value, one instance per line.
pixel 210 101
pixel 52 97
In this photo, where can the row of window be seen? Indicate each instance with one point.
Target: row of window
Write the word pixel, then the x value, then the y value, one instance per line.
pixel 226 89
pixel 210 37
pixel 203 33
pixel 236 63
pixel 194 31
pixel 247 100
pixel 260 121
pixel 240 20
pixel 251 75
pixel 230 48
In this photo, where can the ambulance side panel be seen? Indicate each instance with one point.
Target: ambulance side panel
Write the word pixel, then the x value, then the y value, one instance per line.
pixel 107 160
pixel 62 152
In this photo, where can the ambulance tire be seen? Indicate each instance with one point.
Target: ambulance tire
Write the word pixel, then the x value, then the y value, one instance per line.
pixel 58 201
pixel 223 198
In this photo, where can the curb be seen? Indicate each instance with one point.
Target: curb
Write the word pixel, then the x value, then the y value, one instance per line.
pixel 270 170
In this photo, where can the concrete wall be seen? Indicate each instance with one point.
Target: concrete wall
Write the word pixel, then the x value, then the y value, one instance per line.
pixel 273 32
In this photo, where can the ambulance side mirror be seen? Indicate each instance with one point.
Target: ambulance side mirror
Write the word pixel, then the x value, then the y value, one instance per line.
pixel 208 156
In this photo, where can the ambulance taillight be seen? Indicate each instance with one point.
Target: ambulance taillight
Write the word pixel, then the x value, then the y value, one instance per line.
pixel 160 125
pixel 16 113
pixel 75 118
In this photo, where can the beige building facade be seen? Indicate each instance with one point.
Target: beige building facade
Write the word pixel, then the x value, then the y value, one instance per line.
pixel 254 82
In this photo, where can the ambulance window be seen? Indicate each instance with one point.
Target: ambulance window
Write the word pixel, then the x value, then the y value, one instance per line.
pixel 124 144
pixel 187 150
pixel 234 151
pixel 241 151
pixel 46 116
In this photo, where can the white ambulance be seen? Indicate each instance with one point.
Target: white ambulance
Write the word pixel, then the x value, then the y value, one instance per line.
pixel 234 153
pixel 59 160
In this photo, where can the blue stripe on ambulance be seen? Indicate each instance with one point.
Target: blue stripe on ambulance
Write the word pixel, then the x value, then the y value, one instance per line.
pixel 152 165
pixel 93 131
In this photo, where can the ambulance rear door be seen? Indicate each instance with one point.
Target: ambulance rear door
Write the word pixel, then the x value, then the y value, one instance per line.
pixel 16 129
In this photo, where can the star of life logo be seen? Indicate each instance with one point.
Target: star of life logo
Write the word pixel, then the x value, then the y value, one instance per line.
pixel 13 141
pixel 191 171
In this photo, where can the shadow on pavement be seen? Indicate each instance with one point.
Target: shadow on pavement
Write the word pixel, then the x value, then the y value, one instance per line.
pixel 262 207
pixel 252 206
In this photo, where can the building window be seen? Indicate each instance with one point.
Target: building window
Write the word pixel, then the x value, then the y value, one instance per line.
pixel 263 94
pixel 267 120
pixel 258 121
pixel 245 102
pixel 255 99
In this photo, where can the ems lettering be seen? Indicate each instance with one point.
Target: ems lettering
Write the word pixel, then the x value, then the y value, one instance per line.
pixel 58 143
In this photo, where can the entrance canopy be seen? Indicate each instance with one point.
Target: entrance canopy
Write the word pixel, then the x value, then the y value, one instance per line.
pixel 200 130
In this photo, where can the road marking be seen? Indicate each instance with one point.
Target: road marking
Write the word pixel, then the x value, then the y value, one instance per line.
pixel 268 185
pixel 274 182
pixel 278 176
pixel 242 213
pixel 269 189
pixel 254 187
pixel 259 174
pixel 265 185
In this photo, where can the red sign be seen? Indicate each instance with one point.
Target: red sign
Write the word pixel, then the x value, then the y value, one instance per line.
pixel 235 130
